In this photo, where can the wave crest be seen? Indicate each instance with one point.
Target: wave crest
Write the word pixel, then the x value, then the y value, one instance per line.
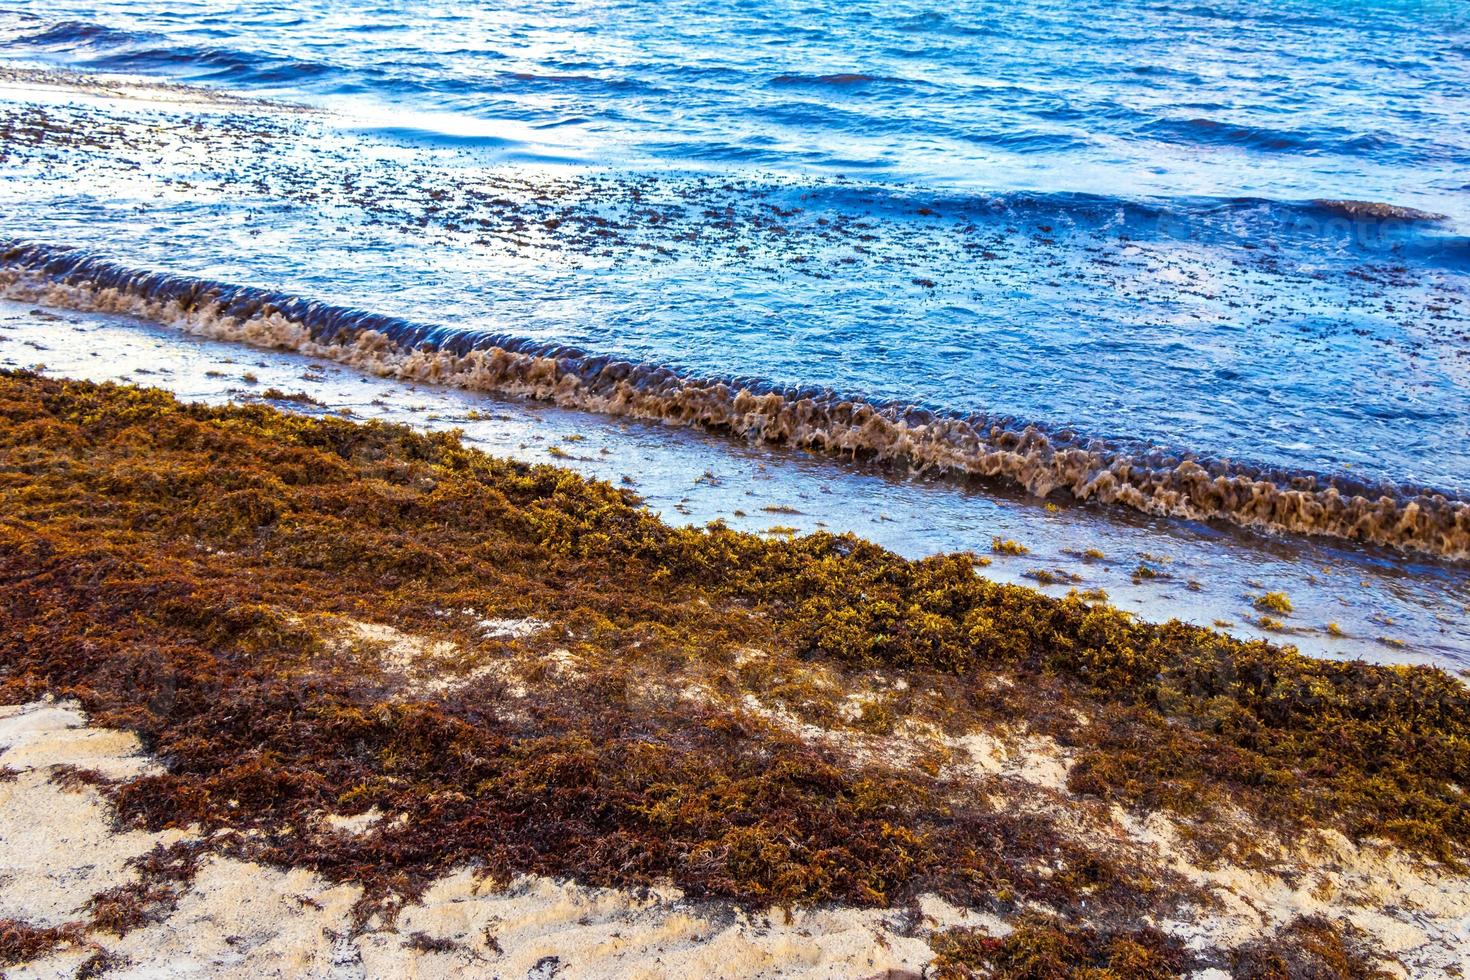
pixel 1034 456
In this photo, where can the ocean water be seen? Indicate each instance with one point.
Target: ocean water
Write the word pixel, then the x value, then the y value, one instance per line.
pixel 1200 260
pixel 1282 101
pixel 1113 201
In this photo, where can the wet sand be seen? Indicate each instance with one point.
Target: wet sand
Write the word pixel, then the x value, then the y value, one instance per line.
pixel 1384 607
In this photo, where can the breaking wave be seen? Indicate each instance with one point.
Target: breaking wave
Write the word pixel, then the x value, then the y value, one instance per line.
pixel 1039 458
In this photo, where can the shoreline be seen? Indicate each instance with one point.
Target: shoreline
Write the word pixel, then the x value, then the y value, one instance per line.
pixel 1385 608
pixel 1031 456
pixel 521 672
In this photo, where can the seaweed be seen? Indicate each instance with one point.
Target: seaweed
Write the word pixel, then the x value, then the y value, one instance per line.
pixel 1274 602
pixel 1042 948
pixel 425 943
pixel 1308 948
pixel 100 964
pixel 21 942
pixel 186 573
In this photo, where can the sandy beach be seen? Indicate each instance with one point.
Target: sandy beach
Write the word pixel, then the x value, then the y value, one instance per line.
pixel 710 488
pixel 486 754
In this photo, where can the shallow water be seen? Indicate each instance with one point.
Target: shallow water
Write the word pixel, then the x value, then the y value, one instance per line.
pixel 1098 216
pixel 1118 225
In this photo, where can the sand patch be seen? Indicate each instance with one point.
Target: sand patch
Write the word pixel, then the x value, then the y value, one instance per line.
pixel 1034 759
pixel 510 629
pixel 539 927
pixel 430 666
pixel 393 649
pixel 58 847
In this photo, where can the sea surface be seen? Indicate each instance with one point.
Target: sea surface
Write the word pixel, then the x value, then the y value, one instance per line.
pixel 1236 233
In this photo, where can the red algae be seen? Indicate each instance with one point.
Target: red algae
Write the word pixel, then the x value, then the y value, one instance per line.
pixel 20 941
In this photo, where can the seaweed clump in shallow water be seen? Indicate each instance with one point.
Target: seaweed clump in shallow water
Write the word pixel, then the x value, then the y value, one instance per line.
pixel 205 577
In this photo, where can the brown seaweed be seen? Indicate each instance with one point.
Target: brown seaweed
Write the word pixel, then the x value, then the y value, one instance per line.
pixel 184 572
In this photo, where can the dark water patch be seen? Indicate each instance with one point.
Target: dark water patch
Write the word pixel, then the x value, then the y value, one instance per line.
pixel 1202 131
pixel 839 80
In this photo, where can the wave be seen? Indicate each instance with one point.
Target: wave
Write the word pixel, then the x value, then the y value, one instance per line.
pixel 934 22
pixel 526 79
pixel 1364 226
pixel 1377 211
pixel 1214 132
pixel 81 32
pixel 103 48
pixel 120 50
pixel 1037 457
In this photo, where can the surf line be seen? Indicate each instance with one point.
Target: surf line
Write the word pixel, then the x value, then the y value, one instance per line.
pixel 1040 458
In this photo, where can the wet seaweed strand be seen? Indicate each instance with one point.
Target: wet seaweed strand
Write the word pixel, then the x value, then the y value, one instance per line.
pixel 1034 456
pixel 174 566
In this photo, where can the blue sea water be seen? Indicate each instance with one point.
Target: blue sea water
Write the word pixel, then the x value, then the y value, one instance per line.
pixel 1123 218
pixel 1287 100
